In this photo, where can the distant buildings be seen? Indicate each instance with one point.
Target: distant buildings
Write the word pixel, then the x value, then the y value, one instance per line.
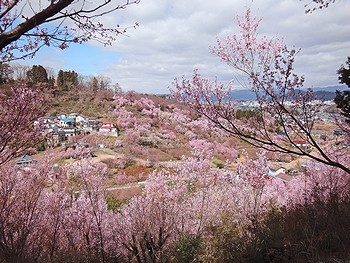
pixel 58 129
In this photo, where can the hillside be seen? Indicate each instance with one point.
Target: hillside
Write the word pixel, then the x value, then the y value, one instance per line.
pixel 152 130
pixel 81 100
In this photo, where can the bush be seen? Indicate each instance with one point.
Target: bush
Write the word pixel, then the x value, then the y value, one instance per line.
pixel 217 163
pixel 310 232
pixel 113 203
pixel 41 146
pixel 187 249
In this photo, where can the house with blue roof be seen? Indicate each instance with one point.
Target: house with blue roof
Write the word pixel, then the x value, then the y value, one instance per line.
pixel 65 122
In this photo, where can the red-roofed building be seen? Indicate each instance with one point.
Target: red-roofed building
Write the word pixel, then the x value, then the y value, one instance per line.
pixel 108 127
pixel 301 143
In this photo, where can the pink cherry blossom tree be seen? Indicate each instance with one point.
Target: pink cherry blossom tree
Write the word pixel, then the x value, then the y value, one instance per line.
pixel 187 198
pixel 21 217
pixel 265 66
pixel 20 107
pixel 43 222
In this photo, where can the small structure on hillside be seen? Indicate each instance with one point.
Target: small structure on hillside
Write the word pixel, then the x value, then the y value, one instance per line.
pixel 108 127
pixel 301 144
pixel 280 173
pixel 25 160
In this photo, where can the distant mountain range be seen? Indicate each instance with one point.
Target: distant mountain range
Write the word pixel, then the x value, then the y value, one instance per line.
pixel 324 93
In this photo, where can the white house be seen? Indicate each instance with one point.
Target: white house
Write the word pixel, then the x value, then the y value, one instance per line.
pixel 65 122
pixel 70 131
pixel 73 115
pixel 274 172
pixel 81 119
pixel 108 127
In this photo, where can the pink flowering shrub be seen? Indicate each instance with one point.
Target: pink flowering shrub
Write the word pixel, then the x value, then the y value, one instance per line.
pixel 122 178
pixel 185 199
pixel 226 214
pixel 77 152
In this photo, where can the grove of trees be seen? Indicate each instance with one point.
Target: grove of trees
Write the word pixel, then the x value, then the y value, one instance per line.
pixel 37 74
pixel 66 79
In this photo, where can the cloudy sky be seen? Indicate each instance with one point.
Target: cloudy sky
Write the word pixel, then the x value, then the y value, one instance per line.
pixel 173 39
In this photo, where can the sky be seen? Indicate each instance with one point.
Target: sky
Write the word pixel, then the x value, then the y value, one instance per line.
pixel 173 39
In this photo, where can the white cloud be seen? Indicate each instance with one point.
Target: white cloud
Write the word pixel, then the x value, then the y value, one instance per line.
pixel 174 38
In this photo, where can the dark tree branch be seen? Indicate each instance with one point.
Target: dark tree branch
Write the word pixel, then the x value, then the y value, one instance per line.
pixel 26 38
pixel 7 38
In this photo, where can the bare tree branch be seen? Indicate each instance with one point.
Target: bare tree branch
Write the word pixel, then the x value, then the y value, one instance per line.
pixel 27 37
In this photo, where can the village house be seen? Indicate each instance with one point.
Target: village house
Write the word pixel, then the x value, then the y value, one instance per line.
pixel 81 119
pixel 65 122
pixel 73 116
pixel 47 124
pixel 276 170
pixel 25 160
pixel 301 143
pixel 87 124
pixel 93 124
pixel 70 131
pixel 281 173
pixel 108 127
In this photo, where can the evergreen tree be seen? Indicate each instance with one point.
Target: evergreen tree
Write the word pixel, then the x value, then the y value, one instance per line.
pixel 37 74
pixel 342 99
pixel 5 73
pixel 94 84
pixel 51 82
pixel 60 79
pixel 67 79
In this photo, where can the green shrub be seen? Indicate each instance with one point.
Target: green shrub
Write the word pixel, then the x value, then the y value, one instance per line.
pixel 113 203
pixel 187 248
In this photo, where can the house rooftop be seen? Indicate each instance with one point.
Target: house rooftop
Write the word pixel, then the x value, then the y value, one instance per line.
pixel 299 141
pixel 284 177
pixel 24 159
pixel 66 120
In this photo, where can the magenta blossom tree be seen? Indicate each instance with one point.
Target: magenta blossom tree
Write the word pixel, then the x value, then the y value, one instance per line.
pixel 285 115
